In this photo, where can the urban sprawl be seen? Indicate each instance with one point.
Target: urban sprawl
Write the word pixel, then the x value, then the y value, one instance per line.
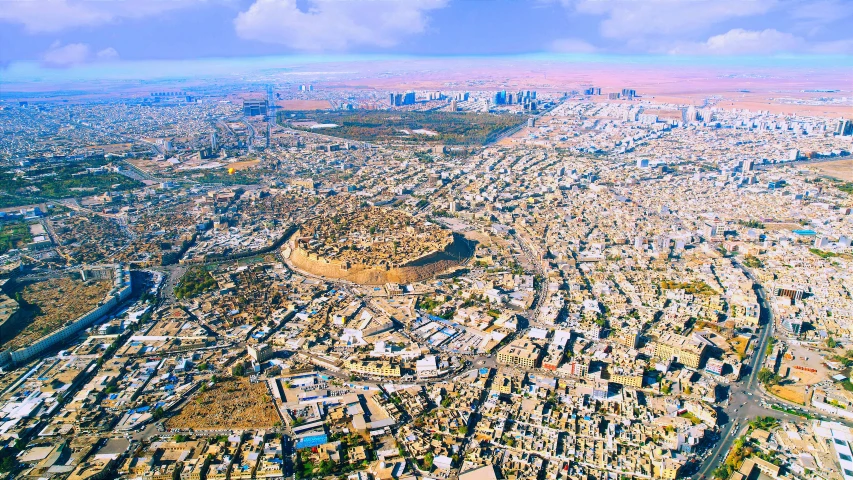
pixel 449 284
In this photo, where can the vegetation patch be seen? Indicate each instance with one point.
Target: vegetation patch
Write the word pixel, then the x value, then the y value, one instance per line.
pixel 62 180
pixel 791 411
pixel 196 281
pixel 751 261
pixel 14 235
pixel 696 287
pixel 448 128
pixel 750 224
pixel 823 254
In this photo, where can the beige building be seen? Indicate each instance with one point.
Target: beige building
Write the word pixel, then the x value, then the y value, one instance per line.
pixel 684 350
pixel 632 379
pixel 520 352
pixel 667 469
pixel 381 369
pixel 260 353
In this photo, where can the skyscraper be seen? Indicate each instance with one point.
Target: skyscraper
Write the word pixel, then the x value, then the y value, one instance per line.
pixel 400 99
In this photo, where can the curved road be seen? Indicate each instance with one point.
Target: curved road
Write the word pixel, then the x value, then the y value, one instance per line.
pixel 744 396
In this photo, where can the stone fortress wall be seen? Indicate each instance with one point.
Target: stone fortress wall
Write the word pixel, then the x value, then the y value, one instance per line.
pixel 454 253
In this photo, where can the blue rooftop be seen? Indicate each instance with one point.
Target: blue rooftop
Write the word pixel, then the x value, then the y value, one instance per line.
pixel 311 441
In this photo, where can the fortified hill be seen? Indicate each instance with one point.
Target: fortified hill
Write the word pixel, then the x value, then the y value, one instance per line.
pixel 373 246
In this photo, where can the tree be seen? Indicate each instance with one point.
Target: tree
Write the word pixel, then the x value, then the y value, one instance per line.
pixel 831 343
pixel 428 459
pixel 768 377
pixel 7 463
pixel 158 413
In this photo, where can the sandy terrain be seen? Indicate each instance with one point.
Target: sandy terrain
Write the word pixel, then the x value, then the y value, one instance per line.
pixel 739 345
pixel 842 169
pixel 303 104
pixel 147 165
pixel 115 147
pixel 791 393
pixel 243 165
pixel 782 226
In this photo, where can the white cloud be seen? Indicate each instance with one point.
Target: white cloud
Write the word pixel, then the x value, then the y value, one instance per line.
pixel 820 12
pixel 747 42
pixel 39 16
pixel 59 55
pixel 107 54
pixel 835 47
pixel 66 55
pixel 636 19
pixel 334 25
pixel 572 45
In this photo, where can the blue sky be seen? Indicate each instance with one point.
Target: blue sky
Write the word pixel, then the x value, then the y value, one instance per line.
pixel 62 33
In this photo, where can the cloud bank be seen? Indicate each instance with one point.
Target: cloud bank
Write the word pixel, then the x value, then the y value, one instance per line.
pixel 334 25
pixel 68 55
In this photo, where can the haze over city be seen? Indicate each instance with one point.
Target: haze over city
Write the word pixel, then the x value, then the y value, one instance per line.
pixel 426 239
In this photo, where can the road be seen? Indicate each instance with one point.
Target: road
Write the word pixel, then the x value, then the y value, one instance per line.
pixel 745 395
pixel 536 263
pixel 172 275
pixel 512 131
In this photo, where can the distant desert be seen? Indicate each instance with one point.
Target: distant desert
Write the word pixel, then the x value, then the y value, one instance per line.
pixel 303 104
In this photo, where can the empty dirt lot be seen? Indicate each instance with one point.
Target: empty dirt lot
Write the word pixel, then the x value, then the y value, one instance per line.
pixel 842 169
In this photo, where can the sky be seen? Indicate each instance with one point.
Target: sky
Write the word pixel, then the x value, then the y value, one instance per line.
pixel 67 33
